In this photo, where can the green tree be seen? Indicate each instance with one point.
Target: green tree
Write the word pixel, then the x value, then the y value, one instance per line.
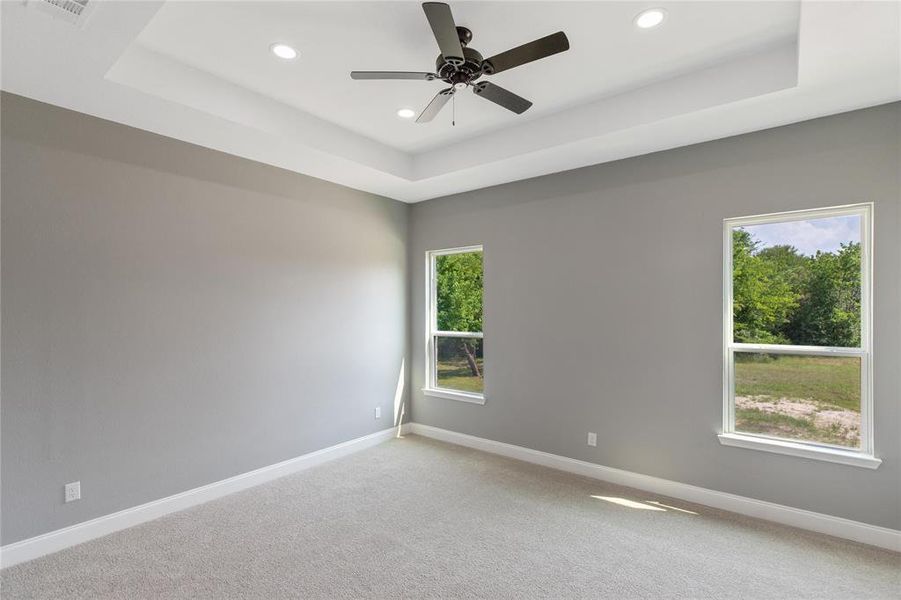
pixel 459 298
pixel 790 264
pixel 763 297
pixel 828 313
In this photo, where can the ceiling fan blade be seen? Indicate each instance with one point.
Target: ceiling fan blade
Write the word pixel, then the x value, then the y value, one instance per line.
pixel 502 97
pixel 392 75
pixel 435 105
pixel 445 30
pixel 541 48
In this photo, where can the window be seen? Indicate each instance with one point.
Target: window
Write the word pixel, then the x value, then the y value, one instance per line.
pixel 455 353
pixel 797 370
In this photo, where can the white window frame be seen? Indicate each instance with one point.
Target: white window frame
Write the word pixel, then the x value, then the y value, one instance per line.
pixel 862 457
pixel 431 329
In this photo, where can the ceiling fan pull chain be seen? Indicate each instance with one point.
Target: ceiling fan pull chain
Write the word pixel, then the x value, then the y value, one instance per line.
pixel 454 108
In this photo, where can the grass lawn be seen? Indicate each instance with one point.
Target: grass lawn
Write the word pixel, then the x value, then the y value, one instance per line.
pixel 456 375
pixel 795 395
pixel 825 380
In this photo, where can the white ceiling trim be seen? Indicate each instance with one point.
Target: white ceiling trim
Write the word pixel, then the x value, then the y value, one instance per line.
pixel 155 74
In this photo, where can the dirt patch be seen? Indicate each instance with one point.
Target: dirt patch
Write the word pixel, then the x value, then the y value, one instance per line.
pixel 839 423
pixel 783 406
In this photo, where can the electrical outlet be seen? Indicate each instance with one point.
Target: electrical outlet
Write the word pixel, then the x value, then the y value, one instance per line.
pixel 378 412
pixel 73 491
pixel 592 438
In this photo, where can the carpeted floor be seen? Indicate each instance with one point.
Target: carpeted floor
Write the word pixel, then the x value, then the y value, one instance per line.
pixel 415 518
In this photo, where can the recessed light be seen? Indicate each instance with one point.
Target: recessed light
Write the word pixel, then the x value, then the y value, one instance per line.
pixel 283 51
pixel 406 113
pixel 650 18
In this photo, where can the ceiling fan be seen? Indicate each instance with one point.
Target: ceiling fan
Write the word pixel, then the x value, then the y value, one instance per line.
pixel 460 66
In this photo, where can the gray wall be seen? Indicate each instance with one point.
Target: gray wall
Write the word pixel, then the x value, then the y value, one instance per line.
pixel 603 307
pixel 173 316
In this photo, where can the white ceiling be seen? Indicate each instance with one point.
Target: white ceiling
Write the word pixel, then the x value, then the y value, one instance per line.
pixel 202 72
pixel 335 38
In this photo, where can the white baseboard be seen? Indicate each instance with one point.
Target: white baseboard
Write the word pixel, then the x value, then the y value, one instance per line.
pixel 60 539
pixel 786 515
pixel 54 541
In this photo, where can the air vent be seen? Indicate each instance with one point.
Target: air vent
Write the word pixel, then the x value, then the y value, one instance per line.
pixel 71 11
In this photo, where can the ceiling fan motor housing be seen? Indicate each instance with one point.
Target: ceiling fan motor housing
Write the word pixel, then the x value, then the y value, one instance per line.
pixel 470 70
pixel 453 72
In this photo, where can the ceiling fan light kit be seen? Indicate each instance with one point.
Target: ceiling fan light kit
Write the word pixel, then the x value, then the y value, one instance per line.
pixel 460 66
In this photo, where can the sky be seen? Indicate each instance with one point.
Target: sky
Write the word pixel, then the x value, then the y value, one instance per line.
pixel 810 235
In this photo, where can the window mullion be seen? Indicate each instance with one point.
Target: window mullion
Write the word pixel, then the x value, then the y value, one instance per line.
pixel 790 349
pixel 459 334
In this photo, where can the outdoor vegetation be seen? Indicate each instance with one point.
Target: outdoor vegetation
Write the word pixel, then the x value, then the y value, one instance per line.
pixel 781 296
pixel 459 360
pixel 454 370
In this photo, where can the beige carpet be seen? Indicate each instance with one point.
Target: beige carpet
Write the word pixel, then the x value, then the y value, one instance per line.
pixel 414 518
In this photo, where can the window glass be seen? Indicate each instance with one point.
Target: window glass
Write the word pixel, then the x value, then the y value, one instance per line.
pixel 800 397
pixel 459 364
pixel 797 282
pixel 458 283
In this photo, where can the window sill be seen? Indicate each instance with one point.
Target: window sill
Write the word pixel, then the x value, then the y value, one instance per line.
pixel 452 395
pixel 835 455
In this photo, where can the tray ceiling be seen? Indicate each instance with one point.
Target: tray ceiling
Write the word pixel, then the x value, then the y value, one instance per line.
pixel 203 72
